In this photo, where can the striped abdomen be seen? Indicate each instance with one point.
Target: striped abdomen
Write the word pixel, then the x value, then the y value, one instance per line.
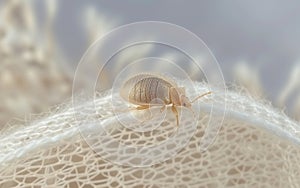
pixel 143 89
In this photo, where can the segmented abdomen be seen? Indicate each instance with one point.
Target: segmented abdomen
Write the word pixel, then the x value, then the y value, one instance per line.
pixel 145 89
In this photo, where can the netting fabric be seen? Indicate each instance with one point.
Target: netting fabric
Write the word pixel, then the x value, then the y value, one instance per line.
pixel 256 147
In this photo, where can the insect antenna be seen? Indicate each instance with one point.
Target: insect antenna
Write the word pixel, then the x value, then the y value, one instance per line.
pixel 196 100
pixel 201 96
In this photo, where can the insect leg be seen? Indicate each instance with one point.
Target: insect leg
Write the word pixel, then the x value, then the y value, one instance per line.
pixel 163 108
pixel 142 107
pixel 174 110
pixel 166 102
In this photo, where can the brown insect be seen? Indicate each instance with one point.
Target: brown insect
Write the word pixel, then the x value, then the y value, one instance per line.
pixel 149 89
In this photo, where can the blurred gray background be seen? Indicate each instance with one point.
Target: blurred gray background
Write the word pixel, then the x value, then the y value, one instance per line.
pixel 264 34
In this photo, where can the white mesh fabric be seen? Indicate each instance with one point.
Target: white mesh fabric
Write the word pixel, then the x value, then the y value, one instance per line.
pixel 256 147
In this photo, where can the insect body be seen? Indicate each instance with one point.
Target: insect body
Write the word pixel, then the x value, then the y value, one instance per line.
pixel 147 89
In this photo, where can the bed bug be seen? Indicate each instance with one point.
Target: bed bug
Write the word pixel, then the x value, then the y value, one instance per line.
pixel 147 89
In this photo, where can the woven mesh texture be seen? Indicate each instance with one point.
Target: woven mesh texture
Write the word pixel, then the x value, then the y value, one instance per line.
pixel 256 147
